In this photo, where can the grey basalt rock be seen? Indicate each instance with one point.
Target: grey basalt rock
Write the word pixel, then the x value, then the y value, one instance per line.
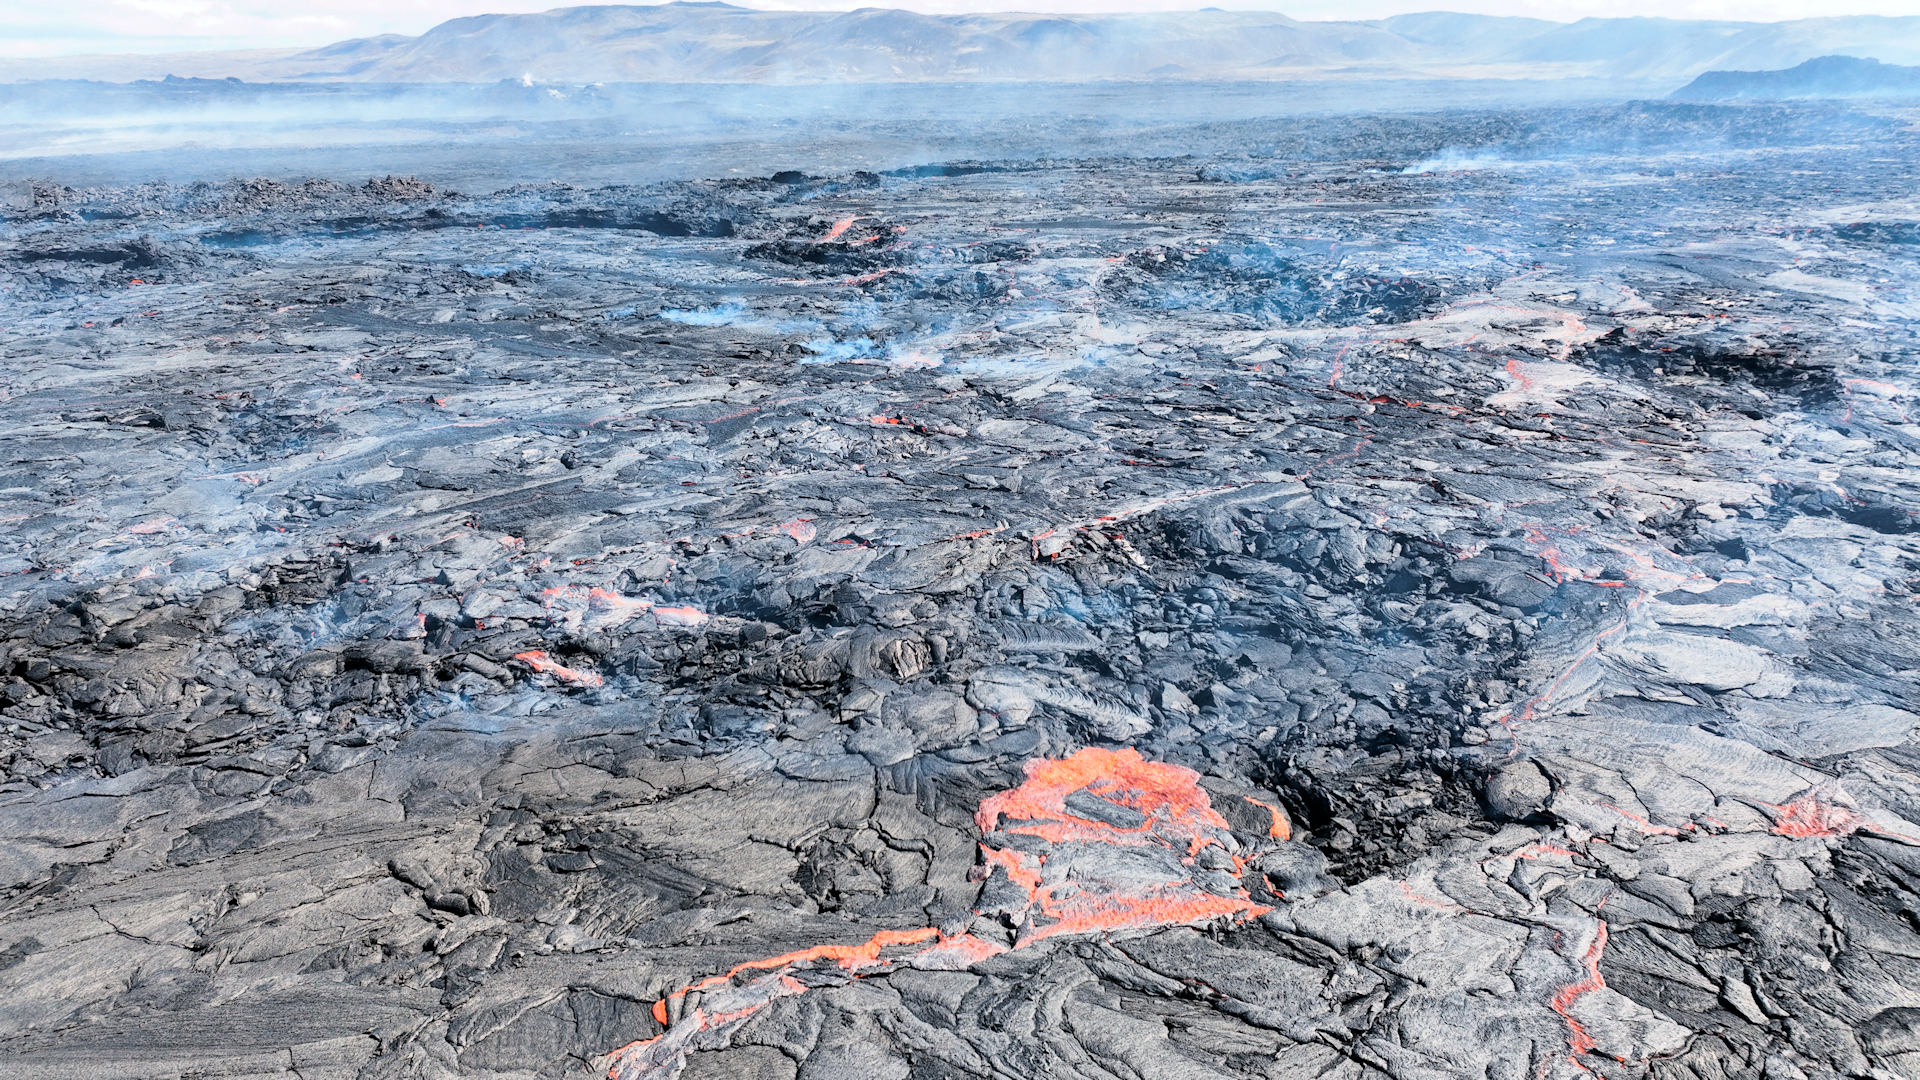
pixel 1519 791
pixel 433 650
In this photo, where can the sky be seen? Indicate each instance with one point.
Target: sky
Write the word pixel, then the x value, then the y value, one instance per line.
pixel 46 28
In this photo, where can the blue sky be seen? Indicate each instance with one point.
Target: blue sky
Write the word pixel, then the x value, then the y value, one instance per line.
pixel 44 28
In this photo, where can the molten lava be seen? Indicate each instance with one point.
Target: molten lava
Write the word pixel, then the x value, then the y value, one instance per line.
pixel 1578 1039
pixel 684 615
pixel 1171 803
pixel 594 607
pixel 801 530
pixel 597 608
pixel 547 665
pixel 1809 815
pixel 1119 838
pixel 1282 827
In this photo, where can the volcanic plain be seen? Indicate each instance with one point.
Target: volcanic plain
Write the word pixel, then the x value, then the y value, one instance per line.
pixel 1421 596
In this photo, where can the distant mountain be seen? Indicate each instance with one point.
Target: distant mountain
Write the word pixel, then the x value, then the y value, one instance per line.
pixel 1821 77
pixel 717 42
pixel 699 42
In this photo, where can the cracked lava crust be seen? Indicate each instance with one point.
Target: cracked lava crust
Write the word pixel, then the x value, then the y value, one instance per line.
pixel 1275 613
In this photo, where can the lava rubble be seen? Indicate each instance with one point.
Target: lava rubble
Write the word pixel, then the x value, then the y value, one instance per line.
pixel 1095 618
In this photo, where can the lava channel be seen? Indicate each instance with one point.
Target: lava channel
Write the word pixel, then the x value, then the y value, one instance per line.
pixel 1100 842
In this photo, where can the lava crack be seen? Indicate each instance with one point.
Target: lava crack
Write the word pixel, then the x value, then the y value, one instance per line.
pixel 1038 836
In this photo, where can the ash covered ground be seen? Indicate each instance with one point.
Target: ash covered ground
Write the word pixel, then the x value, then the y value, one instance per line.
pixel 1426 596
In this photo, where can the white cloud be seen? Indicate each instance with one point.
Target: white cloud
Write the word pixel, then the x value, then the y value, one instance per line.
pixel 41 28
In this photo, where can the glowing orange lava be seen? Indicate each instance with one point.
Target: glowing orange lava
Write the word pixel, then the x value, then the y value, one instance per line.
pixel 1166 795
pixel 596 606
pixel 541 662
pixel 1578 1040
pixel 864 279
pixel 1076 812
pixel 802 530
pixel 1015 864
pixel 849 957
pixel 1339 365
pixel 1519 374
pixel 1809 815
pixel 1282 827
pixel 680 616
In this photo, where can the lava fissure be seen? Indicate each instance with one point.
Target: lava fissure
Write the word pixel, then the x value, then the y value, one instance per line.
pixel 1155 887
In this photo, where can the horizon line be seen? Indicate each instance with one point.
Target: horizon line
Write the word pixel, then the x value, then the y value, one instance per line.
pixel 183 47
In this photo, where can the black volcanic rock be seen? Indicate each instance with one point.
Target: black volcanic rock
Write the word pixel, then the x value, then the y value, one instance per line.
pixel 1264 614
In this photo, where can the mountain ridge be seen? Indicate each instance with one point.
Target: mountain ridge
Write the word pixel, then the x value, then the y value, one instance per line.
pixel 1820 77
pixel 724 43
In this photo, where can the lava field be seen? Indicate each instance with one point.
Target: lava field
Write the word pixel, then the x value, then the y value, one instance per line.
pixel 1391 604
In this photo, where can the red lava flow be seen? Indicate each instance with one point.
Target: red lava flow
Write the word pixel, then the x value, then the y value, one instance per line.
pixel 1809 815
pixel 1339 365
pixel 1282 827
pixel 595 605
pixel 1124 778
pixel 1644 823
pixel 541 662
pixel 1089 804
pixel 1578 1040
pixel 598 607
pixel 801 530
pixel 683 615
pixel 1884 391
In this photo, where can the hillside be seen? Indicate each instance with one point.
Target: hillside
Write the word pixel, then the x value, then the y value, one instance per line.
pixel 1821 77
pixel 717 42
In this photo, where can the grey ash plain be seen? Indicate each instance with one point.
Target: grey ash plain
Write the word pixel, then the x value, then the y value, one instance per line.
pixel 1522 500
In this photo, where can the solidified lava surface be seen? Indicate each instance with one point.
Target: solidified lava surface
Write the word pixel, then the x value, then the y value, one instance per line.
pixel 1389 611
